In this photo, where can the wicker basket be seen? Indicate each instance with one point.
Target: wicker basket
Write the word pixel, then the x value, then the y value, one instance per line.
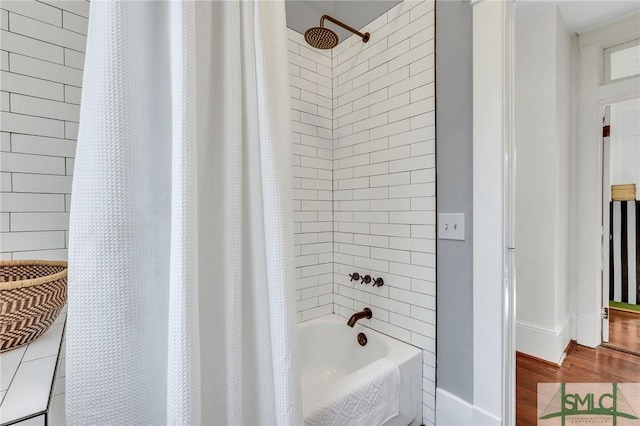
pixel 32 292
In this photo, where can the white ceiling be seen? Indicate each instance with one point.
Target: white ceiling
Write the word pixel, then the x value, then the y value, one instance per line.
pixel 582 15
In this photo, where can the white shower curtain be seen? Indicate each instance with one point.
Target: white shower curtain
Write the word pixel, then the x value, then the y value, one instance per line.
pixel 181 287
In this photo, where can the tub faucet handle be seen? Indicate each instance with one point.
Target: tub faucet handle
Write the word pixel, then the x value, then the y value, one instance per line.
pixel 378 282
pixel 366 279
pixel 355 276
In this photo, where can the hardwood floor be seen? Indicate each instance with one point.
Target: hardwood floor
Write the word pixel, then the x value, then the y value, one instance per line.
pixel 583 365
pixel 624 330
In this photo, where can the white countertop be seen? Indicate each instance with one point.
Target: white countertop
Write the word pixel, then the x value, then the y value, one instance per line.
pixel 27 374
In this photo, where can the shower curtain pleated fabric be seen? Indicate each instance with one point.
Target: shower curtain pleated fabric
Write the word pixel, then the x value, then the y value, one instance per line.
pixel 181 287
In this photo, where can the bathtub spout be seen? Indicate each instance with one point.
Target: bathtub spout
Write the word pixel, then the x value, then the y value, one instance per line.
pixel 365 313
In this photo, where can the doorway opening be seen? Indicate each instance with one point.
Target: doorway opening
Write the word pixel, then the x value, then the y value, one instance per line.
pixel 621 223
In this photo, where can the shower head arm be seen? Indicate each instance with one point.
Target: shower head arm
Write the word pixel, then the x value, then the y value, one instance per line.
pixel 365 36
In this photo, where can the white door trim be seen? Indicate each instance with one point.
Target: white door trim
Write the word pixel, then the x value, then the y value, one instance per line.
pixel 493 206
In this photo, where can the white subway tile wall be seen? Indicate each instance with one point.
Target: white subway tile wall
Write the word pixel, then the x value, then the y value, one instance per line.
pixel 382 176
pixel 311 111
pixel 384 179
pixel 42 49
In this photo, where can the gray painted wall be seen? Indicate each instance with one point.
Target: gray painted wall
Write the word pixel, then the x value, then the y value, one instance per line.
pixel 454 134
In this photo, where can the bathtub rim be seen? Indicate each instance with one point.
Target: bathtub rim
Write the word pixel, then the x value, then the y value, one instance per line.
pixel 398 350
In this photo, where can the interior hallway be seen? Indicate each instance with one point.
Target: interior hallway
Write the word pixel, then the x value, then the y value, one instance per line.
pixel 583 365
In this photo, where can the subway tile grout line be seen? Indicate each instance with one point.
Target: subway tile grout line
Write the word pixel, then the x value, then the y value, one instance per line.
pixel 43 41
pixel 46 99
pixel 42 60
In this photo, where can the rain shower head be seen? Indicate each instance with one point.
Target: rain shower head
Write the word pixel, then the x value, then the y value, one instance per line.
pixel 323 38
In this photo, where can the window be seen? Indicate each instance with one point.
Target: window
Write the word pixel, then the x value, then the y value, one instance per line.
pixel 622 61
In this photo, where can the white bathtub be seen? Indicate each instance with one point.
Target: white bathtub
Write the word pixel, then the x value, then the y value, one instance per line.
pixel 329 351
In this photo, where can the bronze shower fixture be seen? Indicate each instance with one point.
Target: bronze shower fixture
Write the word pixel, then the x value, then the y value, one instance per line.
pixel 367 279
pixel 323 38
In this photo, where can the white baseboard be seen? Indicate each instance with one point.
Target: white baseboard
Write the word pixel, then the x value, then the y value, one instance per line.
pixel 542 342
pixel 453 411
pixel 482 418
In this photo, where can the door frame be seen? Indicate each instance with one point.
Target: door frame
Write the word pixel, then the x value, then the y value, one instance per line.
pixel 606 218
pixel 593 95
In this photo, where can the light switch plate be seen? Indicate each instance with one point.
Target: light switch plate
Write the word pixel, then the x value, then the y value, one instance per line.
pixel 451 226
